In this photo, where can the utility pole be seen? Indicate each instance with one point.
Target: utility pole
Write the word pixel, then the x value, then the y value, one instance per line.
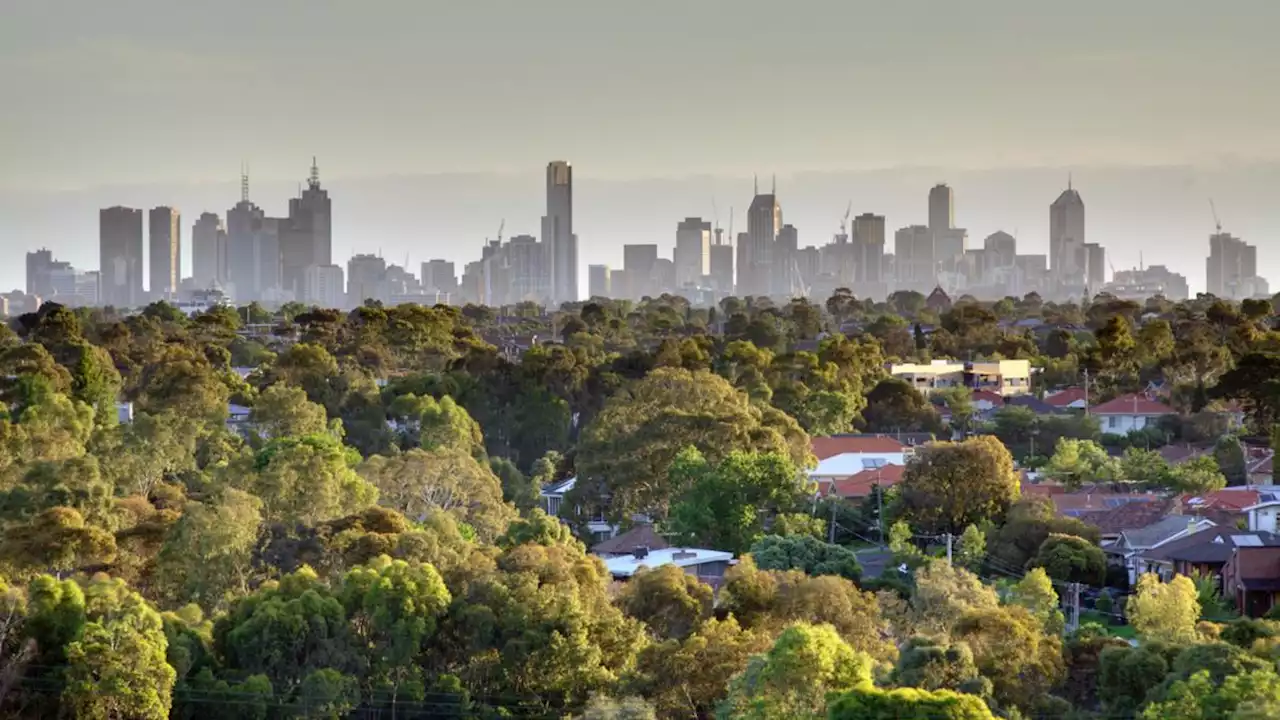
pixel 948 548
pixel 880 513
pixel 831 532
pixel 1086 392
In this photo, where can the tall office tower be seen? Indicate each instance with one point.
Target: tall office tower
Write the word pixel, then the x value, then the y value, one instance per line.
pixel 693 251
pixel 1095 265
pixel 324 287
pixel 1231 268
pixel 1002 249
pixel 785 279
pixel 638 262
pixel 557 233
pixel 366 279
pixel 244 225
pixel 307 238
pixel 529 270
pixel 914 259
pixel 120 256
pixel 267 266
pixel 868 251
pixel 598 281
pixel 208 251
pixel 1066 237
pixel 755 255
pixel 721 263
pixel 39 267
pixel 942 208
pixel 165 235
pixel 439 275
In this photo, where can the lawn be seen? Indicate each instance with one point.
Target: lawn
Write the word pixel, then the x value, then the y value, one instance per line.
pixel 1124 632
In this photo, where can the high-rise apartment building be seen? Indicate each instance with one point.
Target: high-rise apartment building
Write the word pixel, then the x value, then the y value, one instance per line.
pixel 529 270
pixel 721 266
pixel 39 267
pixel 598 277
pixel 756 250
pixel 440 276
pixel 868 238
pixel 914 259
pixel 693 251
pixel 942 209
pixel 165 243
pixel 1095 265
pixel 1231 270
pixel 786 278
pixel 1066 238
pixel 557 234
pixel 638 261
pixel 244 248
pixel 324 287
pixel 120 256
pixel 209 251
pixel 366 279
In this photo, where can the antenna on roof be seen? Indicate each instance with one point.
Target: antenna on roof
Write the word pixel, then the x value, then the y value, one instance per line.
pixel 774 189
pixel 314 179
pixel 1068 179
pixel 244 182
pixel 755 184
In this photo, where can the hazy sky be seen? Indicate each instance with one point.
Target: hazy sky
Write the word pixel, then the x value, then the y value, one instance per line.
pixel 147 92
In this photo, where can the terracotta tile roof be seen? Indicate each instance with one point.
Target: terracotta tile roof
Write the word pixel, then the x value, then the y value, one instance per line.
pixel 638 536
pixel 1257 563
pixel 1229 499
pixel 1065 397
pixel 827 447
pixel 860 485
pixel 989 396
pixel 1263 466
pixel 1132 404
pixel 1178 454
pixel 1030 489
pixel 1094 501
pixel 1130 516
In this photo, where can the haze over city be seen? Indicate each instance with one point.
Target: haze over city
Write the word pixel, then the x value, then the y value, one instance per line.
pixel 432 125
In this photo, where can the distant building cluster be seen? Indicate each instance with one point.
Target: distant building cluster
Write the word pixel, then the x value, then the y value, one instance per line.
pixel 250 257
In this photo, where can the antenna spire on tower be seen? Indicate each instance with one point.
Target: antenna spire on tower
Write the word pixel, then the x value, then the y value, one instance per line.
pixel 314 180
pixel 755 184
pixel 773 190
pixel 244 182
pixel 1068 179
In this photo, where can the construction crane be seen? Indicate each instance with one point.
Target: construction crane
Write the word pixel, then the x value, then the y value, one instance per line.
pixel 1214 209
pixel 501 226
pixel 844 221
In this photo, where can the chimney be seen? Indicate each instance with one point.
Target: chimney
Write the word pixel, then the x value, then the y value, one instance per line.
pixel 640 552
pixel 684 555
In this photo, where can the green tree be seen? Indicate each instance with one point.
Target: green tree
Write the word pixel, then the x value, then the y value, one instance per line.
pixel 725 506
pixel 1250 696
pixel 971 551
pixel 689 678
pixel 806 554
pixel 625 453
pixel 1069 558
pixel 444 478
pixel 1029 523
pixel 1035 593
pixel 949 486
pixel 1198 476
pixel 283 411
pixel 1079 462
pixel 1013 651
pixel 793 678
pixel 207 557
pixel 930 664
pixel 306 479
pixel 1164 611
pixel 669 601
pixel 871 703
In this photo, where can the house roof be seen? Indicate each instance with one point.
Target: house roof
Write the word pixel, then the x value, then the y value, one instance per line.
pixel 1076 503
pixel 860 485
pixel 989 396
pixel 1266 498
pixel 640 536
pixel 1160 531
pixel 1132 404
pixel 1212 546
pixel 1262 466
pixel 1129 516
pixel 849 464
pixel 1065 397
pixel 559 487
pixel 827 447
pixel 1034 404
pixel 624 566
pixel 1228 499
pixel 1178 454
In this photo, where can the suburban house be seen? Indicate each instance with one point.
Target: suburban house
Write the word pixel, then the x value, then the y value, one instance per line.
pixel 1204 553
pixel 1128 514
pixel 708 566
pixel 1252 578
pixel 860 485
pixel 1259 468
pixel 1130 546
pixel 1002 377
pixel 1072 398
pixel 1034 404
pixel 1130 412
pixel 642 536
pixel 843 456
pixel 1262 514
pixel 552 498
pixel 1081 504
pixel 1226 507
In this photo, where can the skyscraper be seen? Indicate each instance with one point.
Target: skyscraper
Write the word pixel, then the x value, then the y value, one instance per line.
pixel 307 239
pixel 244 224
pixel 324 287
pixel 120 256
pixel 942 209
pixel 721 265
pixel 439 275
pixel 39 268
pixel 786 280
pixel 914 259
pixel 165 242
pixel 366 279
pixel 209 251
pixel 638 262
pixel 1232 267
pixel 755 255
pixel 1066 237
pixel 1095 266
pixel 693 251
pixel 557 234
pixel 598 277
pixel 868 253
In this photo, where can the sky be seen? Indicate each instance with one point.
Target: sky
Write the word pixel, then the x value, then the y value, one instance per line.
pixel 151 102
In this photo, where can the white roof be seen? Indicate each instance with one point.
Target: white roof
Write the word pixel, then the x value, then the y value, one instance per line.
pixel 848 464
pixel 627 565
